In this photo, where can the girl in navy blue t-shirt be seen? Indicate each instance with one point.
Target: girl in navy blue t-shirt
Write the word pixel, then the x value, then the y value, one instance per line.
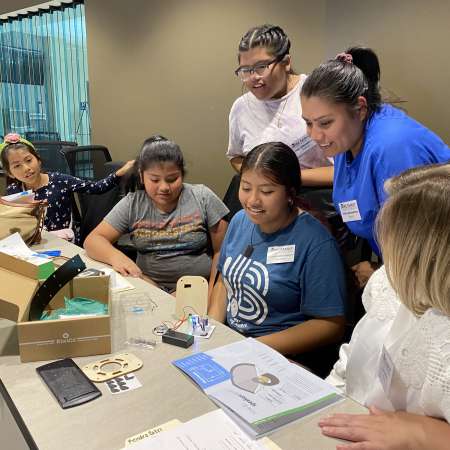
pixel 282 279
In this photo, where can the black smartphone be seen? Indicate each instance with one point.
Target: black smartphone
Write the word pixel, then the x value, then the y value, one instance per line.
pixel 68 383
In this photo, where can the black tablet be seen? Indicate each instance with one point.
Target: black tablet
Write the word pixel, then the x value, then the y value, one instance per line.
pixel 68 383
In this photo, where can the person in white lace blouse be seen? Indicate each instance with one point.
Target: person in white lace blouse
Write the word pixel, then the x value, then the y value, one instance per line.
pixel 398 358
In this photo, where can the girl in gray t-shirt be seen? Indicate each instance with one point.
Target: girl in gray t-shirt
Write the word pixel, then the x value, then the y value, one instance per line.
pixel 177 228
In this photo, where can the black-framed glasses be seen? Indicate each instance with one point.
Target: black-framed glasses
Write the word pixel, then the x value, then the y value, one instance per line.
pixel 261 69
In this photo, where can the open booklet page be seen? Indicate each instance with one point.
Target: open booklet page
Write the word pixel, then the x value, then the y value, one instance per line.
pixel 258 387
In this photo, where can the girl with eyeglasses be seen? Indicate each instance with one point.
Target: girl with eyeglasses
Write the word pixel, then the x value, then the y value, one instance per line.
pixel 369 140
pixel 270 110
pixel 176 227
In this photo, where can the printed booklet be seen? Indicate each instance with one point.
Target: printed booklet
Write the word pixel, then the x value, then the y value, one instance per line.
pixel 258 387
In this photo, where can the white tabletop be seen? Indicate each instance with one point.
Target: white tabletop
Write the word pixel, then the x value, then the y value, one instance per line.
pixel 165 394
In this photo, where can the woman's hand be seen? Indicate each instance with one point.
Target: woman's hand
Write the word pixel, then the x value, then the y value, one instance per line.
pixel 379 430
pixel 125 168
pixel 363 271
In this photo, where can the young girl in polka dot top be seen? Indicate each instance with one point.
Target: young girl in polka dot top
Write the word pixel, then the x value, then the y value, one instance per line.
pixel 22 165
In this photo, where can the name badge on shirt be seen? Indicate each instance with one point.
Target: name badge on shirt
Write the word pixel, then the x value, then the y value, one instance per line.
pixel 280 254
pixel 385 369
pixel 349 211
pixel 302 145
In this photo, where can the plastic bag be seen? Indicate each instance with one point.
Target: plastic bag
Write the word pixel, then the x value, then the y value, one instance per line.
pixel 77 307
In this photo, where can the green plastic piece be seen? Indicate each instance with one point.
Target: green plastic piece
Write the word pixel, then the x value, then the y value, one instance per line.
pixel 77 306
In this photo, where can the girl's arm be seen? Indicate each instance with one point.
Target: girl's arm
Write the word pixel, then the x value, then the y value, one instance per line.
pixel 217 307
pixel 100 186
pixel 125 168
pixel 319 176
pixel 217 233
pixel 99 246
pixel 306 336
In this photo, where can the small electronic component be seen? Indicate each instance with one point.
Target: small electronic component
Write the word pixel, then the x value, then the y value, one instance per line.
pixel 199 325
pixel 179 339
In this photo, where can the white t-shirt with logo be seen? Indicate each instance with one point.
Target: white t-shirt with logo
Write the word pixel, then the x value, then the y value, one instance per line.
pixel 253 122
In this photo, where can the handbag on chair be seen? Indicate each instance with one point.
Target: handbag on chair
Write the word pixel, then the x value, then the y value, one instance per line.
pixel 25 218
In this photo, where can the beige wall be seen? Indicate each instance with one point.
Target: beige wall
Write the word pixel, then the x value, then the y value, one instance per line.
pixel 7 6
pixel 412 40
pixel 167 67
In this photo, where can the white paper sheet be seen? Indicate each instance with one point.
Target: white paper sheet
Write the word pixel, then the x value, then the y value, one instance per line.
pixel 118 282
pixel 212 431
pixel 14 245
pixel 20 197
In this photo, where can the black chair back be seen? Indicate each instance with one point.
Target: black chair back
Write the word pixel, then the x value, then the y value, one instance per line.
pixel 87 161
pixel 42 136
pixel 231 197
pixel 52 158
pixel 92 162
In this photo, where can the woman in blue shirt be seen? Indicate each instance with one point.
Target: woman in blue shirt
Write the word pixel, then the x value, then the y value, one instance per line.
pixel 370 141
pixel 282 279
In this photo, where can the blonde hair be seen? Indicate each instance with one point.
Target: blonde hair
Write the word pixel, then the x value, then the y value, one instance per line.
pixel 413 229
pixel 415 175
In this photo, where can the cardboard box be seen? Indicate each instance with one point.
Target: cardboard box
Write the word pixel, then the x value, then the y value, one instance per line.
pixel 53 339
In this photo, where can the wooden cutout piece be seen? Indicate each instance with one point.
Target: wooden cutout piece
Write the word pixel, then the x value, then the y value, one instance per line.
pixel 192 291
pixel 127 361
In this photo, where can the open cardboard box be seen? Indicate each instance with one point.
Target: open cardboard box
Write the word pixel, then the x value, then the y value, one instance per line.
pixel 53 339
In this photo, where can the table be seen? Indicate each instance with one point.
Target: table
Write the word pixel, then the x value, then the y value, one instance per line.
pixel 106 422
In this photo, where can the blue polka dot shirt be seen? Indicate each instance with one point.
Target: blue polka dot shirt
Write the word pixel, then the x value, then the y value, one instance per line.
pixel 58 193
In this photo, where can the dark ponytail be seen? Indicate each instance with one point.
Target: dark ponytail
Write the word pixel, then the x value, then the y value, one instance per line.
pixel 155 150
pixel 341 81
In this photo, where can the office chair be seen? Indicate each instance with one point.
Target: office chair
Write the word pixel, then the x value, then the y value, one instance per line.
pixel 92 162
pixel 50 153
pixel 87 161
pixel 42 136
pixel 231 197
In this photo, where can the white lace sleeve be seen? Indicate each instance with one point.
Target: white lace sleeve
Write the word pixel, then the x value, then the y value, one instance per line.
pixel 424 364
pixel 337 374
pixel 381 305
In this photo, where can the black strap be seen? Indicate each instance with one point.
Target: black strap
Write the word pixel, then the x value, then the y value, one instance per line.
pixel 53 284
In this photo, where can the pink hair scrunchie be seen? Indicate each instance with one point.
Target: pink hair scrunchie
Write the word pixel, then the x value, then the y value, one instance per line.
pixel 345 57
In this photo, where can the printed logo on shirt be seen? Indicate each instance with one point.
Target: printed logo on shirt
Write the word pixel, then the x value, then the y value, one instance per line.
pixel 184 234
pixel 247 283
